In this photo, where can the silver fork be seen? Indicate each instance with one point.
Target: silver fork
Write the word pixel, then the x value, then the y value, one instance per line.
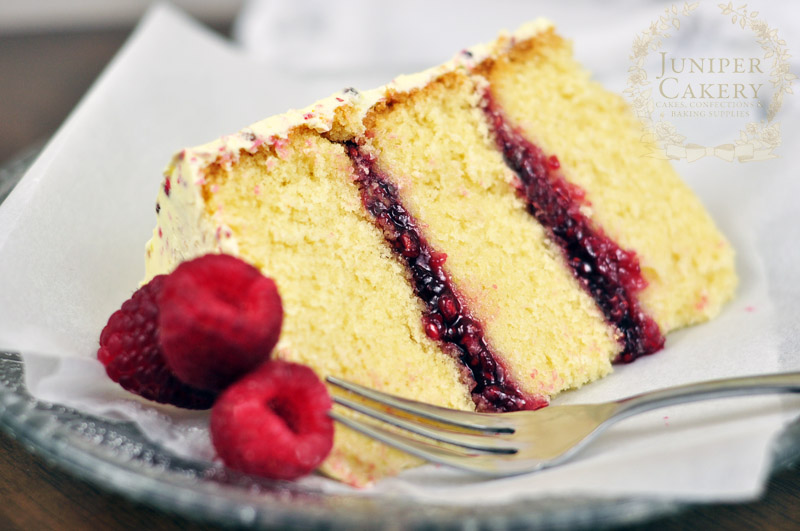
pixel 514 443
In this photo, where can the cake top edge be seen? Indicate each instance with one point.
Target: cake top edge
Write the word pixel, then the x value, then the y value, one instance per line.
pixel 478 53
pixel 321 115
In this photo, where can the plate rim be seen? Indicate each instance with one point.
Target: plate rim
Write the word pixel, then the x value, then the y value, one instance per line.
pixel 192 488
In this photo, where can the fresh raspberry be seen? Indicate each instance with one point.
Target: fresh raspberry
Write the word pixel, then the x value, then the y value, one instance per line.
pixel 130 352
pixel 273 422
pixel 219 319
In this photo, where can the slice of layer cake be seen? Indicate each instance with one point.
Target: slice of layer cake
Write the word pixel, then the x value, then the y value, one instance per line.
pixel 483 235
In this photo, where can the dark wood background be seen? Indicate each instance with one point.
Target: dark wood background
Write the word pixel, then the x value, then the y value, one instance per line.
pixel 42 77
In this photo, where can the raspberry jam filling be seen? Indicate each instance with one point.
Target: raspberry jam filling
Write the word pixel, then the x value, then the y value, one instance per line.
pixel 609 273
pixel 445 318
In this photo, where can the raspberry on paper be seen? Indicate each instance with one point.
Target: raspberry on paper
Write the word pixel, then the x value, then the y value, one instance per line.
pixel 130 352
pixel 219 319
pixel 274 422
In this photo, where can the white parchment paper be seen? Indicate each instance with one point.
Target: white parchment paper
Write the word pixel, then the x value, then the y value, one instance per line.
pixel 72 243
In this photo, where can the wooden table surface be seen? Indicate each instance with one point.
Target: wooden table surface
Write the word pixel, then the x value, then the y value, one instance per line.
pixel 42 77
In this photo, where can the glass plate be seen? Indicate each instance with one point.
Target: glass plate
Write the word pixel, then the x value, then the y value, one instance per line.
pixel 116 456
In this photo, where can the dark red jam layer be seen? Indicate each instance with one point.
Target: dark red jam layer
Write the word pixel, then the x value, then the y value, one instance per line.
pixel 445 318
pixel 609 273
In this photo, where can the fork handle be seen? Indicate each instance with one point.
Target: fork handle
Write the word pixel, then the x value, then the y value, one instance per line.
pixel 748 385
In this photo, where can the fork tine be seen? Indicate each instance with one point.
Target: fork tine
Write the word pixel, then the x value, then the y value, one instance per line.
pixel 481 422
pixel 482 442
pixel 476 463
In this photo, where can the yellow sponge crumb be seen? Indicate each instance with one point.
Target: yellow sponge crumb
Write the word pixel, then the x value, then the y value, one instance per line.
pixel 349 310
pixel 639 201
pixel 434 143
